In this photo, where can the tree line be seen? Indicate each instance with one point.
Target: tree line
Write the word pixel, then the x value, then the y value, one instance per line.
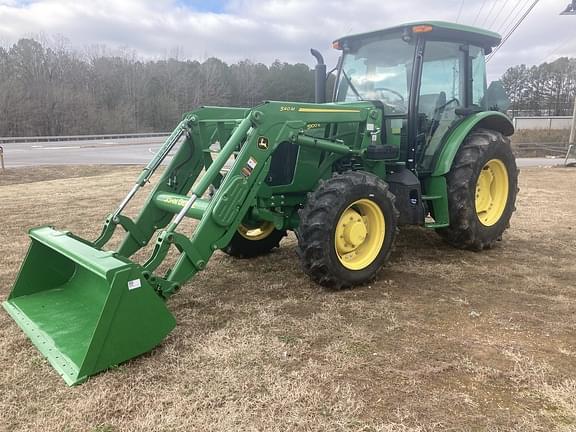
pixel 54 90
pixel 546 89
pixel 58 91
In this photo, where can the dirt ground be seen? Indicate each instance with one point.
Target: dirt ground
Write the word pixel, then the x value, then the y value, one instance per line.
pixel 442 340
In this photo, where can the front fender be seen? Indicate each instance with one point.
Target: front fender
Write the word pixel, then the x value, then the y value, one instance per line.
pixel 488 119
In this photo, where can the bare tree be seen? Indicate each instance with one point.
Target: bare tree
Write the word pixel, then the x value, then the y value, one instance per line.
pixel 46 88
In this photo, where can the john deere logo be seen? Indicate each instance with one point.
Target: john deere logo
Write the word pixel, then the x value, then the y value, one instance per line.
pixel 262 143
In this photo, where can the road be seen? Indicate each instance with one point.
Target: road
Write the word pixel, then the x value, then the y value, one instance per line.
pixel 124 151
pixel 119 151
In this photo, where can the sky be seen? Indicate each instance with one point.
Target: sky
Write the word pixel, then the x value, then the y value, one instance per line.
pixel 266 30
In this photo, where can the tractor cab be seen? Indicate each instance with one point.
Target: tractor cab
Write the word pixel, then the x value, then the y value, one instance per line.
pixel 425 77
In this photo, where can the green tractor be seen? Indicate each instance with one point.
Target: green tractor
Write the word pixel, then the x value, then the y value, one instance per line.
pixel 411 137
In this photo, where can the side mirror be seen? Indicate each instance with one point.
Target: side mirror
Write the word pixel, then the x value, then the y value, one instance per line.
pixel 495 98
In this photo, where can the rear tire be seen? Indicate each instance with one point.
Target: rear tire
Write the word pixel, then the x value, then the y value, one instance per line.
pixel 482 189
pixel 347 229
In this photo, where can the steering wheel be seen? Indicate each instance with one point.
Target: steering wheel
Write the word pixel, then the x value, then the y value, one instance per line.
pixel 444 105
pixel 394 92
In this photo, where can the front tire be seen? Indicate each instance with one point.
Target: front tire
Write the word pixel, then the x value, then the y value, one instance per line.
pixel 254 240
pixel 482 189
pixel 347 229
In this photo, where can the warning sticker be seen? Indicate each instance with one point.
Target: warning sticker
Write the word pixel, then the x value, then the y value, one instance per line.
pixel 133 284
pixel 262 143
pixel 250 165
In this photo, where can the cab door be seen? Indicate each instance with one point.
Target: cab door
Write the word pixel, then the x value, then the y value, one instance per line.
pixel 442 91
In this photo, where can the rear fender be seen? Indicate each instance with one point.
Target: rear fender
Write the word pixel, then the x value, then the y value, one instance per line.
pixel 488 119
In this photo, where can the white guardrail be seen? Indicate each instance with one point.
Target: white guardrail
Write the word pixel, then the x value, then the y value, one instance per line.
pixel 544 122
pixel 5 140
pixel 549 147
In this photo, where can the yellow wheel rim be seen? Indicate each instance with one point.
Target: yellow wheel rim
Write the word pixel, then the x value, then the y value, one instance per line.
pixel 492 189
pixel 256 233
pixel 359 234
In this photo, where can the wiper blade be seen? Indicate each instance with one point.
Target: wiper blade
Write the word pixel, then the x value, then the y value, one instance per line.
pixel 352 86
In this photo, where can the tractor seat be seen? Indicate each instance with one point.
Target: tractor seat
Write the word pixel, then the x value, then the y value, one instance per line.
pixel 429 102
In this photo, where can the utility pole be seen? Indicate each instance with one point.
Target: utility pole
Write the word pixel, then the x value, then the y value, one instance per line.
pixel 571 10
pixel 571 145
pixel 573 127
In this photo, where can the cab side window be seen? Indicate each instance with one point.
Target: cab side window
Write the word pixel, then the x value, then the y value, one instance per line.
pixel 478 76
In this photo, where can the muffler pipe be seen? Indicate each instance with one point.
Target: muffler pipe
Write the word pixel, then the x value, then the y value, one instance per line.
pixel 320 77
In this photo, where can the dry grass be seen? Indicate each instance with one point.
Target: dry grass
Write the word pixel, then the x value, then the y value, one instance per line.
pixel 541 136
pixel 49 172
pixel 540 142
pixel 442 340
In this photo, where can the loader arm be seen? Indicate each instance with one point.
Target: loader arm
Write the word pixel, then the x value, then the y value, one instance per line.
pixel 253 142
pixel 87 309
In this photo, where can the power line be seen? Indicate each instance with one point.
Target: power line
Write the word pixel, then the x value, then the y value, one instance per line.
pixel 558 47
pixel 510 12
pixel 460 10
pixel 489 13
pixel 479 11
pixel 505 25
pixel 513 30
pixel 504 3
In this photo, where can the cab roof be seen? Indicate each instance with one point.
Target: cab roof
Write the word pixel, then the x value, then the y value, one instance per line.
pixel 439 30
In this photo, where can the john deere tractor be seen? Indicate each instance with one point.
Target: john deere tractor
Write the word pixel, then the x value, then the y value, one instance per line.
pixel 412 136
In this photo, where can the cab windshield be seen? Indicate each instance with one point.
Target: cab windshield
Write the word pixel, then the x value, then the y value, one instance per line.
pixel 378 70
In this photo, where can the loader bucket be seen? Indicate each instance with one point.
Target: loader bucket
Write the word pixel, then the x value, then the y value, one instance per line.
pixel 85 309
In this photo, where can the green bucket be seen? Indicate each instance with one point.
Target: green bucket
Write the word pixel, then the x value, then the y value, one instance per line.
pixel 85 309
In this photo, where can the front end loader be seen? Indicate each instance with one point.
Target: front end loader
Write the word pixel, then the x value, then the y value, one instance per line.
pixel 411 137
